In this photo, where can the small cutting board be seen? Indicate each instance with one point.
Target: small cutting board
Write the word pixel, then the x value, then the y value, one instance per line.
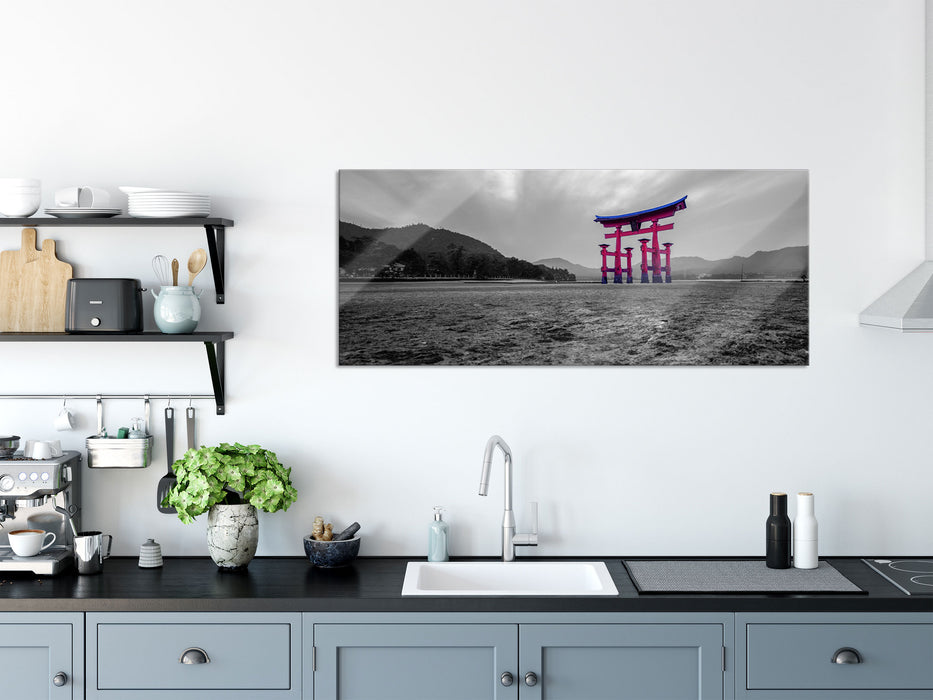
pixel 33 287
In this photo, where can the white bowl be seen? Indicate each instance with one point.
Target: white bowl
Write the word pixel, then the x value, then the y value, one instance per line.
pixel 16 189
pixel 20 182
pixel 19 204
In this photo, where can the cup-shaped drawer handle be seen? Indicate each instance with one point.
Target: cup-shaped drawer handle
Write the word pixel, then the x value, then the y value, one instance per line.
pixel 847 655
pixel 59 679
pixel 194 655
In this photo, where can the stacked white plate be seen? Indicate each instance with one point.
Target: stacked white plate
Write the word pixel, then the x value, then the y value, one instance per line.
pixel 166 204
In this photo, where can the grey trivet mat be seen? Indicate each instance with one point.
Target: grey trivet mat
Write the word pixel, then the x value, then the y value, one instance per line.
pixel 745 576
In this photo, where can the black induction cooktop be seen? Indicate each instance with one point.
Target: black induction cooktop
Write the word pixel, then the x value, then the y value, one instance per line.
pixel 913 576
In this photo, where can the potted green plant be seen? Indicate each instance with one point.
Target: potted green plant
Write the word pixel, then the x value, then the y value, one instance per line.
pixel 229 482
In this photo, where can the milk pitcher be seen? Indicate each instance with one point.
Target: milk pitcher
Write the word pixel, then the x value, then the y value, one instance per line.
pixel 89 551
pixel 177 309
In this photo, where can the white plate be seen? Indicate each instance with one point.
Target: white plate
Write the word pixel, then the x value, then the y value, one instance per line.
pixel 157 195
pixel 169 215
pixel 84 209
pixel 172 202
pixel 168 207
pixel 82 213
pixel 134 190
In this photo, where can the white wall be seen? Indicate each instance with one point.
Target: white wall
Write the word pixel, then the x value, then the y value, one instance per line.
pixel 259 104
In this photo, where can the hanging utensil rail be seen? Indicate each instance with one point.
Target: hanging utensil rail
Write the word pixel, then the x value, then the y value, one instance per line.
pixel 79 397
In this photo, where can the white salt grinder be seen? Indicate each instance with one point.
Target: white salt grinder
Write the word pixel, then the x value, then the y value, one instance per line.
pixel 805 533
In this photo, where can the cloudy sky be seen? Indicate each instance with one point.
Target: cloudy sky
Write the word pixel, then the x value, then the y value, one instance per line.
pixel 536 214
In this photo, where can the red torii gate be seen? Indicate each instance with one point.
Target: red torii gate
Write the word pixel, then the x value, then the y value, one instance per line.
pixel 634 221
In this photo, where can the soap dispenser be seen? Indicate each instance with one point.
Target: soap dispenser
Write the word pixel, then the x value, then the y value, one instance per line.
pixel 437 537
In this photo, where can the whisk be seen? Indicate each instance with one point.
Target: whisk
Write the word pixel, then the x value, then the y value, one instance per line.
pixel 161 270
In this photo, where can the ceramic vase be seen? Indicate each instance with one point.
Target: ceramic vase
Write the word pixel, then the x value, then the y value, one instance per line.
pixel 232 535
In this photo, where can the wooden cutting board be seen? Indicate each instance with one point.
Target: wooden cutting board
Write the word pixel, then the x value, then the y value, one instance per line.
pixel 33 286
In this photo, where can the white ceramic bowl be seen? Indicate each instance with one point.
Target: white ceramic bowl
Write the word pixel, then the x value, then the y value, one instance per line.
pixel 19 204
pixel 20 182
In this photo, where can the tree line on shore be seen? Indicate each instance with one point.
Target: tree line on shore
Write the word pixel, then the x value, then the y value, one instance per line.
pixel 376 260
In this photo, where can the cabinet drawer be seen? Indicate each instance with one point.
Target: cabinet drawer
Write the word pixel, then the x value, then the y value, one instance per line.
pixel 799 656
pixel 251 656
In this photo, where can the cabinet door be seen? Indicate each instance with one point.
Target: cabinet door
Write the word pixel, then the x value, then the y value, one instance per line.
pixel 414 662
pixel 31 655
pixel 638 661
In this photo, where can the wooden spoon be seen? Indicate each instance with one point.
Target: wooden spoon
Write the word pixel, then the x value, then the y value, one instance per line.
pixel 196 263
pixel 174 272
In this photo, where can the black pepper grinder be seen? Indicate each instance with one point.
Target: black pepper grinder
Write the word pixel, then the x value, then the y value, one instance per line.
pixel 777 550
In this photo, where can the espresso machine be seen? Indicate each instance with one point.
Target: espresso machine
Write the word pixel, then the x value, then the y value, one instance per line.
pixel 40 494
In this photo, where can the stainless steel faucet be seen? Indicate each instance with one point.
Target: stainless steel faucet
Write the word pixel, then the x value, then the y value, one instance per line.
pixel 510 540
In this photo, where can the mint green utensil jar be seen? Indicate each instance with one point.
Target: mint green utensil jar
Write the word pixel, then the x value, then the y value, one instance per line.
pixel 177 309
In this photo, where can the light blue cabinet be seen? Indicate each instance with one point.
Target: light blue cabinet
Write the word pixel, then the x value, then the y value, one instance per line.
pixel 835 656
pixel 414 661
pixel 515 656
pixel 466 656
pixel 203 656
pixel 638 661
pixel 42 655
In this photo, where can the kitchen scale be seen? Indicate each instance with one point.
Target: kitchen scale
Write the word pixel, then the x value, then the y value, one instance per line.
pixel 913 576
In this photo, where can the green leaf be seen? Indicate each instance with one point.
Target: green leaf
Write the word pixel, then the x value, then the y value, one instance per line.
pixel 234 473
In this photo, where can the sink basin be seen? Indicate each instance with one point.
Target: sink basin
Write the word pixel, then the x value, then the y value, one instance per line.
pixel 496 578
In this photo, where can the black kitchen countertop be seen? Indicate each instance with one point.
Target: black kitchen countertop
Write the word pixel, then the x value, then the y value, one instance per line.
pixel 374 584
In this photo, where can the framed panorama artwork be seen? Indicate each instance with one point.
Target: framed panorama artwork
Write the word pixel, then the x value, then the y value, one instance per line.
pixel 573 267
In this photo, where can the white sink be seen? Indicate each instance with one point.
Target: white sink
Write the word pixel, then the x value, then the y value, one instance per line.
pixel 496 578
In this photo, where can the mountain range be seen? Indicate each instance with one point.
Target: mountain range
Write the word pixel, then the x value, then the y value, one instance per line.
pixel 791 262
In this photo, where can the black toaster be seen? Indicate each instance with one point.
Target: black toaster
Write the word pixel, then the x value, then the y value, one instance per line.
pixel 104 305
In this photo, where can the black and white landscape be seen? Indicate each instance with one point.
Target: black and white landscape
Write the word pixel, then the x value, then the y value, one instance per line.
pixel 503 268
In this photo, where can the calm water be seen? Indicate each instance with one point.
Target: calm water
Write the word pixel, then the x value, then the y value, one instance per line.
pixel 463 323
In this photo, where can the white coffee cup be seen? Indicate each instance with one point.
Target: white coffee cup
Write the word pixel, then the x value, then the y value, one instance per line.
pixel 37 449
pixel 28 543
pixel 65 420
pixel 85 197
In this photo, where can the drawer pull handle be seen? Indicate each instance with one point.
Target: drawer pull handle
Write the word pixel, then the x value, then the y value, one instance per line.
pixel 847 655
pixel 194 655
pixel 59 679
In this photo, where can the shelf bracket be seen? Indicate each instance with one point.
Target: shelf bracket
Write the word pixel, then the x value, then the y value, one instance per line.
pixel 215 360
pixel 215 248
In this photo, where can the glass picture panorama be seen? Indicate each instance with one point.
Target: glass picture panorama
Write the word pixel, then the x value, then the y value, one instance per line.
pixel 573 267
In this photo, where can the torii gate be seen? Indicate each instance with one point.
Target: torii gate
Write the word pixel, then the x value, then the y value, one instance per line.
pixel 635 221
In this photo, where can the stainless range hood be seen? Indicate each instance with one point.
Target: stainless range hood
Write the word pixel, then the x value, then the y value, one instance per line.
pixel 907 306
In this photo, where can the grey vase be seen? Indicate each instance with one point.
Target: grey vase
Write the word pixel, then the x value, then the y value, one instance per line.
pixel 232 535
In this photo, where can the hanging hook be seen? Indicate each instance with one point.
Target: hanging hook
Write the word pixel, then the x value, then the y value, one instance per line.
pixel 169 402
pixel 189 400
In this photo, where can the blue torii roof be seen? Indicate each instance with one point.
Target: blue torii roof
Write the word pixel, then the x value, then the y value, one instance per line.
pixel 643 214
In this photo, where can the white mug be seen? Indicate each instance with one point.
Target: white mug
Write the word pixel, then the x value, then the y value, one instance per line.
pixel 37 449
pixel 28 543
pixel 65 420
pixel 86 197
